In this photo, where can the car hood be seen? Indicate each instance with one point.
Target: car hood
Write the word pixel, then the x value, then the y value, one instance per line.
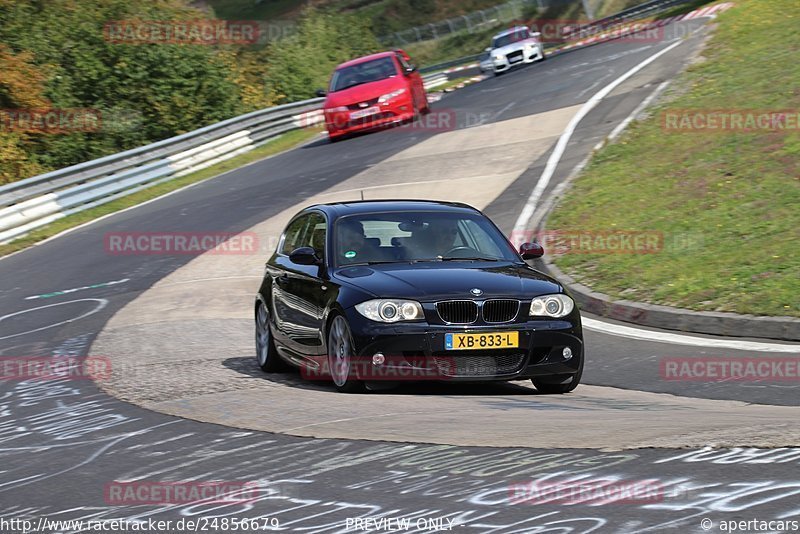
pixel 361 93
pixel 448 280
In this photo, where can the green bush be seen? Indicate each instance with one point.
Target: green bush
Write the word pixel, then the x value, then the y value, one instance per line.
pixel 144 92
pixel 304 61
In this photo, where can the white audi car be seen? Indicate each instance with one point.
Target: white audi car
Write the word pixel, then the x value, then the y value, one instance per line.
pixel 513 47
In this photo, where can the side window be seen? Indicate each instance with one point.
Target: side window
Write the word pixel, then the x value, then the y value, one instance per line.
pixel 316 232
pixel 294 234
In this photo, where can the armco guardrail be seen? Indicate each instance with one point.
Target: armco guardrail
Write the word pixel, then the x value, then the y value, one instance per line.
pixel 579 32
pixel 633 13
pixel 34 202
pixel 447 64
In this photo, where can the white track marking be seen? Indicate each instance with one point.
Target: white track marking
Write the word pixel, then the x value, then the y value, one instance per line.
pixel 681 339
pixel 101 304
pixel 561 146
pixel 76 289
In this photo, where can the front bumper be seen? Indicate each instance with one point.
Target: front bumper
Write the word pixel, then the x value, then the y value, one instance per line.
pixel 416 351
pixel 395 111
pixel 527 56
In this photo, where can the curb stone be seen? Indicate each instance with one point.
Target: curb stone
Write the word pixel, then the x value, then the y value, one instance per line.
pixel 669 318
pixel 656 315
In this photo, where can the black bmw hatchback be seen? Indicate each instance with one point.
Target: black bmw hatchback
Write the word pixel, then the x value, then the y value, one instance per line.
pixel 389 291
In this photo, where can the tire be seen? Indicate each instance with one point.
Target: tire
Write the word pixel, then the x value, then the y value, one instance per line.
pixel 266 354
pixel 340 352
pixel 553 385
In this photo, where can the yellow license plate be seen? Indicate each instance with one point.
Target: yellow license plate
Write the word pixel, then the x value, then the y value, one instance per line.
pixel 488 340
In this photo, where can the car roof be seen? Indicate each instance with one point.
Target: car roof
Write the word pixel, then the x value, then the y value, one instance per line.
pixel 340 209
pixel 510 31
pixel 362 59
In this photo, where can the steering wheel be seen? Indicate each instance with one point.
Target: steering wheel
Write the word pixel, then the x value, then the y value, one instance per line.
pixel 468 251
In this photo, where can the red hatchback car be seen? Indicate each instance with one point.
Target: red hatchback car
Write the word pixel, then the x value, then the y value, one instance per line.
pixel 371 92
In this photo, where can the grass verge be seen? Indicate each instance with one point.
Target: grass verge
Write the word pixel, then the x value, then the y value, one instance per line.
pixel 725 202
pixel 281 144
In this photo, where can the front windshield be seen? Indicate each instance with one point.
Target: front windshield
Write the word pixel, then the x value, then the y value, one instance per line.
pixel 509 38
pixel 361 73
pixel 397 237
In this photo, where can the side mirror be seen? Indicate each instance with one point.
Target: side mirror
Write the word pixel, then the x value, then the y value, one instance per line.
pixel 536 34
pixel 321 93
pixel 304 256
pixel 531 251
pixel 488 49
pixel 410 70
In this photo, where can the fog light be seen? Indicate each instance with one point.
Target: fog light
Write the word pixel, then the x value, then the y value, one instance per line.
pixel 378 358
pixel 566 353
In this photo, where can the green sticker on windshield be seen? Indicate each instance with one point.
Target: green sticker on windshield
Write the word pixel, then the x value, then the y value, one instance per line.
pixel 350 254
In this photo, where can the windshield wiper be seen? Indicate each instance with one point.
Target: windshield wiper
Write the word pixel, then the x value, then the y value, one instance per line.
pixel 464 258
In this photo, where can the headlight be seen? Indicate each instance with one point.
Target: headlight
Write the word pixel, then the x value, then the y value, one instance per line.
pixel 391 311
pixel 551 306
pixel 498 57
pixel 389 96
pixel 337 110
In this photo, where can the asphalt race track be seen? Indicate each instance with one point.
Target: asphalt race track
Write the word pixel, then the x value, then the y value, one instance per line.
pixel 185 400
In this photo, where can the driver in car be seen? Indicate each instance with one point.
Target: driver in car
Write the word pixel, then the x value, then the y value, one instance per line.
pixel 437 239
pixel 354 247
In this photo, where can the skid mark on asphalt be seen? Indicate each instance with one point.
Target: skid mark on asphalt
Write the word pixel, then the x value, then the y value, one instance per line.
pixel 298 480
pixel 476 489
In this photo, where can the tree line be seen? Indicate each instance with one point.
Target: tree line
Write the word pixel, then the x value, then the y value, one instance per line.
pixel 57 55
